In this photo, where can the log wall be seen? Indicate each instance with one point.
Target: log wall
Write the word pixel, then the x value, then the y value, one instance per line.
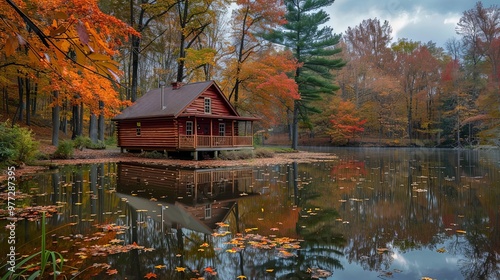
pixel 154 133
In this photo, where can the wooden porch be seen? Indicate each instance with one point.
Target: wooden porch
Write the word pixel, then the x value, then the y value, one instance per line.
pixel 204 141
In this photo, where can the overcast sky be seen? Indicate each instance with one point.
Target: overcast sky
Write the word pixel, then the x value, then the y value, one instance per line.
pixel 423 20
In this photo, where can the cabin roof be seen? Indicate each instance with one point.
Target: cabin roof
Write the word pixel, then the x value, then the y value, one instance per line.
pixel 175 101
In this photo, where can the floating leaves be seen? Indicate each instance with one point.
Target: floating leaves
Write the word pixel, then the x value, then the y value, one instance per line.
pixel 160 266
pixel 319 273
pixel 210 271
pixel 284 246
pixel 441 250
pixel 180 269
pixel 150 275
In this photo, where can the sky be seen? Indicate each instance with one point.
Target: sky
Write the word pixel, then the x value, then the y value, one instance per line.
pixel 423 20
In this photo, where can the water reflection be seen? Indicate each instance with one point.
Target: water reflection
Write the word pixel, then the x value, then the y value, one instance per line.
pixel 371 214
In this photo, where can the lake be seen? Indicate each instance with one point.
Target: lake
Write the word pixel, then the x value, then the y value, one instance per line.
pixel 374 213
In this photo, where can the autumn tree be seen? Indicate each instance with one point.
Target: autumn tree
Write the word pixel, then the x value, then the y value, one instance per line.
pixel 268 89
pixel 251 20
pixel 151 20
pixel 416 69
pixel 194 16
pixel 345 122
pixel 68 42
pixel 480 30
pixel 313 44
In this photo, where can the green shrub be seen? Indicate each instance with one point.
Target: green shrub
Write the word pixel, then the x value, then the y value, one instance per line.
pixel 81 142
pixel 100 145
pixel 17 145
pixel 65 150
pixel 110 141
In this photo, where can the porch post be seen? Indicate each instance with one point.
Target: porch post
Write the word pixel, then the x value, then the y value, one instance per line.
pixel 251 131
pixel 211 133
pixel 195 135
pixel 232 133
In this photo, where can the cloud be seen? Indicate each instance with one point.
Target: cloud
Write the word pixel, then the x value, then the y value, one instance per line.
pixel 425 20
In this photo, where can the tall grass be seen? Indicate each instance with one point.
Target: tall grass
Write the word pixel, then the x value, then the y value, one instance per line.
pixel 48 259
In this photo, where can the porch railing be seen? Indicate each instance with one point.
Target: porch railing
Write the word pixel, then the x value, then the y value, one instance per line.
pixel 202 141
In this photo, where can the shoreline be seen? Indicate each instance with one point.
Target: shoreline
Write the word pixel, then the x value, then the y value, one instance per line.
pixel 88 156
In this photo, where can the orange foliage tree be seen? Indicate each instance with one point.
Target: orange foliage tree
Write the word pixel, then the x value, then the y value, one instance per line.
pixel 68 47
pixel 251 20
pixel 346 124
pixel 268 91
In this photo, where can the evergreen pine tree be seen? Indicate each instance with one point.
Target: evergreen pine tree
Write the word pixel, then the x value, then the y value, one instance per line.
pixel 314 48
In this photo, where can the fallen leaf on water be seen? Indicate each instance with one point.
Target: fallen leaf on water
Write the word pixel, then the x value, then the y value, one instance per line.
pixel 232 250
pixel 180 269
pixel 111 271
pixel 222 224
pixel 441 250
pixel 160 266
pixel 269 270
pixel 210 270
pixel 150 275
pixel 242 277
pixel 461 231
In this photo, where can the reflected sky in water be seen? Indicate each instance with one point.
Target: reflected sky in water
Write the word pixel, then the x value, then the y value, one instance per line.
pixel 370 214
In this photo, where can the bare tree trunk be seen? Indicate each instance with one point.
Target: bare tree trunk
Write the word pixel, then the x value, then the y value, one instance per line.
pixel 6 100
pixel 55 120
pixel 93 128
pixel 295 126
pixel 34 104
pixel 21 98
pixel 28 110
pixel 100 123
pixel 80 122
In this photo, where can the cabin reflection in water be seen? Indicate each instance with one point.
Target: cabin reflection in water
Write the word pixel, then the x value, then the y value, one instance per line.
pixel 189 198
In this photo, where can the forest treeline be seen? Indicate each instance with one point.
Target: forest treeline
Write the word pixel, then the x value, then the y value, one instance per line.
pixel 76 63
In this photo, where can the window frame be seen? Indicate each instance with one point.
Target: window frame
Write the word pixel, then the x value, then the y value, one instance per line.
pixel 138 129
pixel 208 211
pixel 207 105
pixel 222 129
pixel 189 128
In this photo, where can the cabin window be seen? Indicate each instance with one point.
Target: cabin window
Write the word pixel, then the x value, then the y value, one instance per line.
pixel 208 211
pixel 189 189
pixel 138 129
pixel 208 105
pixel 222 129
pixel 189 128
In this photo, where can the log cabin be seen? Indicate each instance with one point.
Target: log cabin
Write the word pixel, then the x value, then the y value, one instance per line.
pixel 196 118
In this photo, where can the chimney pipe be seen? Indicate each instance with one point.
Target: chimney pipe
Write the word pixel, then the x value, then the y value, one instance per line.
pixel 162 85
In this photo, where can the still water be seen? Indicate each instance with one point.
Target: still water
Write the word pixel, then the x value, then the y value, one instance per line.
pixel 370 214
